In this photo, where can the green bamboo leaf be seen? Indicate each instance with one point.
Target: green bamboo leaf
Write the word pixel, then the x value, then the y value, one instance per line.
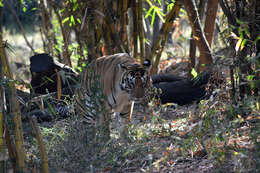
pixel 247 31
pixel 72 20
pixel 241 35
pixel 62 10
pixel 243 44
pixel 149 12
pixel 153 18
pixel 78 20
pixel 257 38
pixel 65 20
pixel 250 77
pixel 75 6
pixel 194 73
pixel 24 9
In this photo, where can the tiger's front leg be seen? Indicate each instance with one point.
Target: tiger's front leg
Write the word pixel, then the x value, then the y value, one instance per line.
pixel 125 119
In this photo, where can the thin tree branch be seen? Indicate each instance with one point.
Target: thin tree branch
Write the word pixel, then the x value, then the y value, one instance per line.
pixel 19 24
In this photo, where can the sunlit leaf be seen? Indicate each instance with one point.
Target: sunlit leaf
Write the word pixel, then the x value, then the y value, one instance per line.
pixel 153 18
pixel 242 44
pixel 257 38
pixel 250 77
pixel 75 6
pixel 72 20
pixel 247 31
pixel 62 10
pixel 78 20
pixel 149 12
pixel 65 20
pixel 233 35
pixel 241 35
pixel 238 44
pixel 196 38
pixel 170 6
pixel 194 73
pixel 24 9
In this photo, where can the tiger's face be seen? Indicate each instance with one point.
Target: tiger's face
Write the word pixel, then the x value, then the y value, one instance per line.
pixel 135 79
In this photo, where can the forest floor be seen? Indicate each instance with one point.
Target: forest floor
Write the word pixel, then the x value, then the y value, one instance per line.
pixel 170 139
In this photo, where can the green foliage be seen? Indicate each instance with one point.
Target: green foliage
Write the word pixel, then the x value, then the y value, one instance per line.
pixel 194 73
pixel 155 10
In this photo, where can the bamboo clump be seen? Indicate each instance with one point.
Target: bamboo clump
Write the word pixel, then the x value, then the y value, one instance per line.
pixel 162 37
pixel 15 110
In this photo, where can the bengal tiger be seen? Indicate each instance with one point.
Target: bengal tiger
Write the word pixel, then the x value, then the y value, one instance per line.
pixel 121 80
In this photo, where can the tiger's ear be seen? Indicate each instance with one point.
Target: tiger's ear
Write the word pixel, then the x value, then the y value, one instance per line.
pixel 147 64
pixel 121 66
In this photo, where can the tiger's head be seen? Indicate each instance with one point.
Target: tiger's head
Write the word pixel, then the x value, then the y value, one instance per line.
pixel 135 79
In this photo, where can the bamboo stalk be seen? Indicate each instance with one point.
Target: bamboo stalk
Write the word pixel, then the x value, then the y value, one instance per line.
pixel 159 44
pixel 117 43
pixel 10 147
pixel 140 29
pixel 134 34
pixel 19 141
pixel 44 158
pixel 2 141
pixel 124 25
pixel 99 17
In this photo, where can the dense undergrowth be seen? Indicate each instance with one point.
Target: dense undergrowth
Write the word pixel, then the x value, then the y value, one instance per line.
pixel 213 136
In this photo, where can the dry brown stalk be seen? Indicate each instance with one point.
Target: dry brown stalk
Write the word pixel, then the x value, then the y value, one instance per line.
pixel 44 157
pixel 10 147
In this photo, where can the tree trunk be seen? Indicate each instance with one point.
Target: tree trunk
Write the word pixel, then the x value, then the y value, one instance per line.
pixel 198 34
pixel 193 49
pixel 210 21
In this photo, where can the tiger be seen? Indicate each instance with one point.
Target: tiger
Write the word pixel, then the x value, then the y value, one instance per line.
pixel 122 81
